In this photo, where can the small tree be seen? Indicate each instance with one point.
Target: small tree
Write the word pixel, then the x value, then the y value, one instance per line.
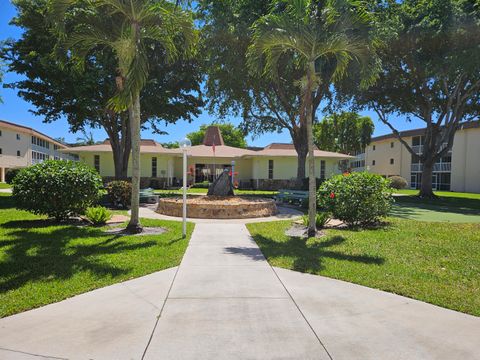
pixel 56 188
pixel 346 132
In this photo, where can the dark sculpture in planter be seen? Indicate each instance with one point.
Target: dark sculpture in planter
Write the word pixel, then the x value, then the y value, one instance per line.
pixel 222 186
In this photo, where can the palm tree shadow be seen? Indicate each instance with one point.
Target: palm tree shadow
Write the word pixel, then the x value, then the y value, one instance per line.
pixel 33 254
pixel 307 256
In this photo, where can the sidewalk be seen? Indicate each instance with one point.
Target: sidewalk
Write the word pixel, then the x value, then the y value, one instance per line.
pixel 225 302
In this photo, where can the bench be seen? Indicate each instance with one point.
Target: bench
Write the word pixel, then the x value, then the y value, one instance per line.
pixel 297 196
pixel 148 196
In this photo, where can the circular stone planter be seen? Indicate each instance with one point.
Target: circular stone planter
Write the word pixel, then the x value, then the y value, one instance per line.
pixel 218 207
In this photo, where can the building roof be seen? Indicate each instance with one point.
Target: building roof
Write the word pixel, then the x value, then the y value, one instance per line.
pixel 421 131
pixel 146 146
pixel 30 131
pixel 213 135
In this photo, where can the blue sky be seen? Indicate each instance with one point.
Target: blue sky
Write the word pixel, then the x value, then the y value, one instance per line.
pixel 16 110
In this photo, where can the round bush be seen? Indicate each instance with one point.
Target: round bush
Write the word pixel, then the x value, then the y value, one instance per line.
pixel 10 175
pixel 120 193
pixel 56 188
pixel 397 182
pixel 359 198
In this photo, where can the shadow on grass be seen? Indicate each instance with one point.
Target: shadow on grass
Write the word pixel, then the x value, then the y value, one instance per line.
pixel 34 252
pixel 463 206
pixel 307 256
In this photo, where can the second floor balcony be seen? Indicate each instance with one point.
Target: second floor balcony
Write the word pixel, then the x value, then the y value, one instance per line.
pixel 438 167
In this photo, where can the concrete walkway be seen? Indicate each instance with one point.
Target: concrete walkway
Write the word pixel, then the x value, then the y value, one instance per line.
pixel 225 302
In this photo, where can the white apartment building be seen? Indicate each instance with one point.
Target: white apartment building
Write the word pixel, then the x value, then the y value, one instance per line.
pixel 459 170
pixel 21 146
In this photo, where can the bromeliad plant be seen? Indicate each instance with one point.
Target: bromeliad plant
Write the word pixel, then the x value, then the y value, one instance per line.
pixel 358 199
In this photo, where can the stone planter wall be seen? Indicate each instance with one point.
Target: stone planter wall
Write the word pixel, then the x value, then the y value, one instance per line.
pixel 216 207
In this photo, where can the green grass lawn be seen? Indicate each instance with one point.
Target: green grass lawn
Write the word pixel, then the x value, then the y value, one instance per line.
pixel 204 191
pixel 42 262
pixel 4 186
pixel 449 206
pixel 434 262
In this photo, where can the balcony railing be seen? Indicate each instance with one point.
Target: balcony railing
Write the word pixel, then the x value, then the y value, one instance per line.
pixel 439 167
pixel 418 149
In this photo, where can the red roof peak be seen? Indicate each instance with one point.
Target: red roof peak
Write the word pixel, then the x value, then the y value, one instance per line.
pixel 213 135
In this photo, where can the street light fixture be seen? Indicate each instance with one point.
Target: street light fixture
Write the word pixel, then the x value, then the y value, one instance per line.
pixel 185 144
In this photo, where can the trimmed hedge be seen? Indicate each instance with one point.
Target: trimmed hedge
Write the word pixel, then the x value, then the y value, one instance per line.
pixel 56 188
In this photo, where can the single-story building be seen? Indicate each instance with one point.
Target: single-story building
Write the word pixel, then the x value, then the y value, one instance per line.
pixel 271 167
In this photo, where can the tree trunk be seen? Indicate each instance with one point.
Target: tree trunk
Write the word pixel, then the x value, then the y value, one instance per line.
pixel 300 142
pixel 426 183
pixel 134 225
pixel 312 181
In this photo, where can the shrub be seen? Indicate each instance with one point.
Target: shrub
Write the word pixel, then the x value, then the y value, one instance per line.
pixel 360 198
pixel 98 215
pixel 201 185
pixel 120 193
pixel 397 182
pixel 321 219
pixel 10 175
pixel 56 188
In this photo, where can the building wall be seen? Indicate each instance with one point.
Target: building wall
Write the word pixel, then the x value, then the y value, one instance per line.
pixel 10 145
pixel 285 168
pixel 107 167
pixel 465 164
pixel 381 156
pixel 465 161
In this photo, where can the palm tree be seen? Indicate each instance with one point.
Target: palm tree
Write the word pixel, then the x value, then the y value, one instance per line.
pixel 87 138
pixel 130 28
pixel 320 40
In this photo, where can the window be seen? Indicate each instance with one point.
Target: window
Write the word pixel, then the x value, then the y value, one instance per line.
pixel 392 144
pixel 38 157
pixel 373 147
pixel 40 142
pixel 0 132
pixel 96 162
pixel 322 169
pixel 18 136
pixel 373 162
pixel 0 151
pixel 154 167
pixel 392 161
pixel 18 153
pixel 270 169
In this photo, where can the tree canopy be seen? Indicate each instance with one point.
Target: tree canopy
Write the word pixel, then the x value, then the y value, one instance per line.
pixel 345 132
pixel 58 87
pixel 429 71
pixel 232 135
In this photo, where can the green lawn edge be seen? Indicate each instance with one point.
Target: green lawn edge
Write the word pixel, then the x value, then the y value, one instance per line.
pixel 43 263
pixel 438 263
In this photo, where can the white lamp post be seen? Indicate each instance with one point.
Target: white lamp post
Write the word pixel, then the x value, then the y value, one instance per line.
pixel 184 145
pixel 233 171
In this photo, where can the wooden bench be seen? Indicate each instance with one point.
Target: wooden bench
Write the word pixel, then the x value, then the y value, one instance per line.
pixel 148 196
pixel 297 196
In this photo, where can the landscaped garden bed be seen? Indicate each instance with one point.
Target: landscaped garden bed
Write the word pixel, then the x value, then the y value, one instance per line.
pixel 42 262
pixel 430 261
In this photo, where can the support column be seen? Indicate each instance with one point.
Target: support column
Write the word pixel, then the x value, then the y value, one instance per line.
pixel 2 175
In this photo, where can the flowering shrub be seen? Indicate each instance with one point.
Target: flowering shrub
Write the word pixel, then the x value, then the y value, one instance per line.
pixel 359 198
pixel 56 188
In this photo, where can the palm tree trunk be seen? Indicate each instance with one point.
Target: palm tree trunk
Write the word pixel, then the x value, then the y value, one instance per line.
pixel 312 183
pixel 134 225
